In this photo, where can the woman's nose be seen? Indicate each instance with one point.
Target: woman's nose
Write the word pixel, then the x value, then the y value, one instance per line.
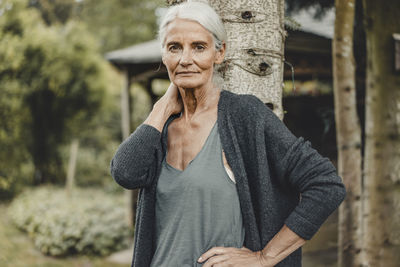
pixel 186 57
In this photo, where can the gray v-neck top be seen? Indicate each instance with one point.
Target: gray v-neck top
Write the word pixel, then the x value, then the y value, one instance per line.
pixel 196 208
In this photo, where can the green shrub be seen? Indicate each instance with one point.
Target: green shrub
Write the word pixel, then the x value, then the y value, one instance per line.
pixel 85 222
pixel 14 175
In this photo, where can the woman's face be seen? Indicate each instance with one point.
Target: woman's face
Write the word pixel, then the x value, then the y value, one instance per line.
pixel 189 54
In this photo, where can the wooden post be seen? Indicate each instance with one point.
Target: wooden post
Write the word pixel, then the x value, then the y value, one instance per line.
pixel 396 38
pixel 125 105
pixel 126 130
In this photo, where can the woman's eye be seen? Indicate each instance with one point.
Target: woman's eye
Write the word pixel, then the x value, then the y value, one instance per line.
pixel 173 48
pixel 199 47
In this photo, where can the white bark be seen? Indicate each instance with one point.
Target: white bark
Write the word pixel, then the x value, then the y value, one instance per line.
pixel 73 156
pixel 348 135
pixel 255 47
pixel 382 157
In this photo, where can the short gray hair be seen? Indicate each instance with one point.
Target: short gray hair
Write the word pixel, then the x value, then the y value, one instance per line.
pixel 197 11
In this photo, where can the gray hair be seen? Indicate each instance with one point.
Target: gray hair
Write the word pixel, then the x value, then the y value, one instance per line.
pixel 197 11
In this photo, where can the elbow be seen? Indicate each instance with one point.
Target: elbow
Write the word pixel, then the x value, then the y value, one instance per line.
pixel 114 171
pixel 336 195
pixel 128 178
pixel 340 189
pixel 337 192
pixel 119 178
pixel 122 180
pixel 342 193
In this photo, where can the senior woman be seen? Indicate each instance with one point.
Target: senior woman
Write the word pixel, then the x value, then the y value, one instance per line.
pixel 222 181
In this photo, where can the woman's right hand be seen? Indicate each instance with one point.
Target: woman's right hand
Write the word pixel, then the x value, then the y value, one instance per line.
pixel 170 103
pixel 171 100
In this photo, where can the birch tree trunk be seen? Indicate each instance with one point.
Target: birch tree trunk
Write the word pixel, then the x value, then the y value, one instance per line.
pixel 255 48
pixel 382 154
pixel 73 157
pixel 348 135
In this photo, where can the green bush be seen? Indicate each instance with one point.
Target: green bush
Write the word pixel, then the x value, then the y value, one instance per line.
pixel 84 222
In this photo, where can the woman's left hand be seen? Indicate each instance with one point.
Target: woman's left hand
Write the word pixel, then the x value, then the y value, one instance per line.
pixel 230 256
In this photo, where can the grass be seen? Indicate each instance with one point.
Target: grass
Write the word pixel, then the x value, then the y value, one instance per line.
pixel 17 250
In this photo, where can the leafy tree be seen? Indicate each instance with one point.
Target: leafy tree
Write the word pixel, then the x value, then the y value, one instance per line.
pixel 54 11
pixel 65 78
pixel 59 79
pixel 52 80
pixel 115 23
pixel 15 161
pixel 119 23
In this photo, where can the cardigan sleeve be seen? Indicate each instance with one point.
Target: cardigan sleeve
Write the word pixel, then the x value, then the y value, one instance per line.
pixel 134 163
pixel 297 164
pixel 321 189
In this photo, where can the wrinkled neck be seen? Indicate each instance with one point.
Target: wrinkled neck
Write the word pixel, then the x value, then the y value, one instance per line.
pixel 196 100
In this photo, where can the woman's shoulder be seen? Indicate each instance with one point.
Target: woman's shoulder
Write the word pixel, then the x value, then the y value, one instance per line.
pixel 246 105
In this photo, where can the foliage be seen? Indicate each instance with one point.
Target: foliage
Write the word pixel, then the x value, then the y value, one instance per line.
pixel 115 24
pixel 15 162
pixel 98 139
pixel 119 23
pixel 55 76
pixel 86 222
pixel 55 85
pixel 54 11
pixel 17 250
pixel 69 88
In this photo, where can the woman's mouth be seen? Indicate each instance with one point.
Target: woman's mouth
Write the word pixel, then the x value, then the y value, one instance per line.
pixel 186 72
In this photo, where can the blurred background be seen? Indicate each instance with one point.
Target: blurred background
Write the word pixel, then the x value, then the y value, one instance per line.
pixel 62 112
pixel 60 117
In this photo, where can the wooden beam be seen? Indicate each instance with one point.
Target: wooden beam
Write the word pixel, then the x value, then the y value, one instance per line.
pixel 125 105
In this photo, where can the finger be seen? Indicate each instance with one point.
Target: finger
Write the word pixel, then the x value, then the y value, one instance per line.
pixel 211 252
pixel 216 260
pixel 245 249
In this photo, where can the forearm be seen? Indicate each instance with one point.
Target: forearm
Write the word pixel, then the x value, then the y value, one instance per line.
pixel 133 164
pixel 281 245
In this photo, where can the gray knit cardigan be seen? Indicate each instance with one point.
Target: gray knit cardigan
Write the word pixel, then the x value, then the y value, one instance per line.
pixel 280 178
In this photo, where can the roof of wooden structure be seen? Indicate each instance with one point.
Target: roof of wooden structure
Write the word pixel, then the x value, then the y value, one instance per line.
pixel 147 52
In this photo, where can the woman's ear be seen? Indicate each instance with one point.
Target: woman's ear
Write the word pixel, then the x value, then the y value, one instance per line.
pixel 220 54
pixel 162 58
